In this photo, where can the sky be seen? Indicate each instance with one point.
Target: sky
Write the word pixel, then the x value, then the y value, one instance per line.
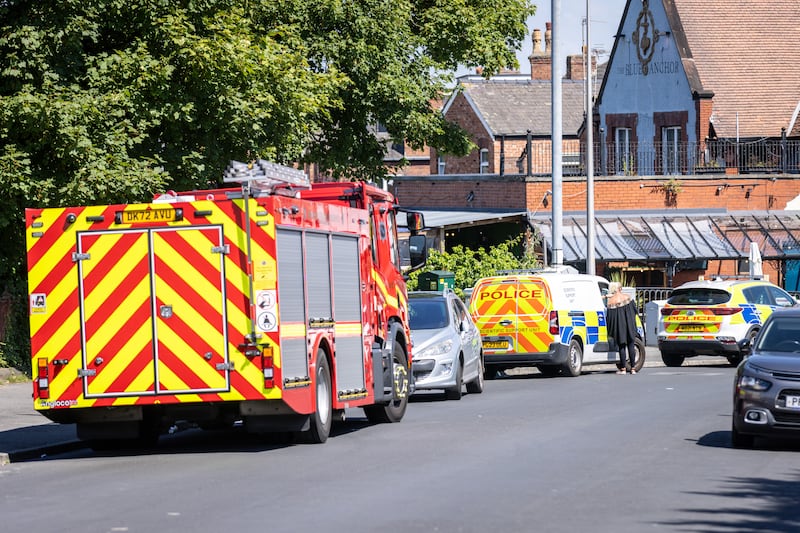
pixel 604 17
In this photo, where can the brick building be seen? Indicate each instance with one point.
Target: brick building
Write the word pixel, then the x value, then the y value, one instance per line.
pixel 509 117
pixel 696 140
pixel 684 93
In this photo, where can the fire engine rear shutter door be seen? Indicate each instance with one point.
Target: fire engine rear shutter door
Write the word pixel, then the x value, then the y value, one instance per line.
pixel 291 304
pixel 189 310
pixel 347 313
pixel 152 307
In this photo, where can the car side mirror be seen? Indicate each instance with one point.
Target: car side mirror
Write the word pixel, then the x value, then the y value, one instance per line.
pixel 418 251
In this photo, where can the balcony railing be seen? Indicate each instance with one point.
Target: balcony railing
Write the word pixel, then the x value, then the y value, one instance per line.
pixel 649 159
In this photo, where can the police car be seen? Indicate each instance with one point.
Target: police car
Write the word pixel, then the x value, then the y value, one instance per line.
pixel 716 317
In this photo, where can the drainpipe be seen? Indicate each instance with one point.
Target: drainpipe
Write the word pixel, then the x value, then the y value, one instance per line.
pixel 502 154
pixel 530 155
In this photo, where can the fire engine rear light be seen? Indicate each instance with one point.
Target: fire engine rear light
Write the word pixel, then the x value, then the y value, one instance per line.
pixel 268 365
pixel 42 378
pixel 554 322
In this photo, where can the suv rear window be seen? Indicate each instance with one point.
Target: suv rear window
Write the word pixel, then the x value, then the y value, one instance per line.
pixel 699 296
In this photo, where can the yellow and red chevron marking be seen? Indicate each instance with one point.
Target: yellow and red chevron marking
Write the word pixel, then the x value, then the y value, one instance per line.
pixel 681 322
pixel 524 302
pixel 120 293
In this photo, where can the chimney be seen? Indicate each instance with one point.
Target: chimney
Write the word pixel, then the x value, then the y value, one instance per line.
pixel 541 59
pixel 548 38
pixel 537 41
pixel 576 68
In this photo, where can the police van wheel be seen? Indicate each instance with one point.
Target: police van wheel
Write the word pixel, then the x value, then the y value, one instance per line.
pixel 322 419
pixel 489 372
pixel 671 359
pixel 640 355
pixel 574 359
pixel 396 409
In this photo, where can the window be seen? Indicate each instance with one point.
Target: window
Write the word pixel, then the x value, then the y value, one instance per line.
pixel 622 151
pixel 393 245
pixel 441 164
pixel 757 295
pixel 571 164
pixel 484 161
pixel 781 298
pixel 670 139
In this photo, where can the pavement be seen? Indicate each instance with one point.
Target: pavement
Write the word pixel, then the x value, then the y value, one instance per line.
pixel 25 434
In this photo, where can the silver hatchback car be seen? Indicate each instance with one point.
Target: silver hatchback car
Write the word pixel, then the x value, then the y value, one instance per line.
pixel 766 394
pixel 447 346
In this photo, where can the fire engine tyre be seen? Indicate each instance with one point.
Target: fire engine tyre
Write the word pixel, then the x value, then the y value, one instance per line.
pixel 641 354
pixel 322 418
pixel 396 409
pixel 671 359
pixel 454 393
pixel 574 360
pixel 476 385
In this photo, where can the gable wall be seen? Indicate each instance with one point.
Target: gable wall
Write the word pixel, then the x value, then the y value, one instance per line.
pixel 651 82
pixel 461 113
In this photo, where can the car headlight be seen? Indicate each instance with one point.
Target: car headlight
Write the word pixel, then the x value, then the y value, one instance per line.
pixel 753 383
pixel 437 349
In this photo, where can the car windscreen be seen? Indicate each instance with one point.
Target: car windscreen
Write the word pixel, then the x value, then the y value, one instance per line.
pixel 427 313
pixel 780 335
pixel 699 296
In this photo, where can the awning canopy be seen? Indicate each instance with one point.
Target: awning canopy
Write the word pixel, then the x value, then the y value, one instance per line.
pixel 675 235
pixel 462 218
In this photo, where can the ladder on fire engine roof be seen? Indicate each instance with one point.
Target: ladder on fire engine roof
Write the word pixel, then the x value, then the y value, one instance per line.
pixel 263 177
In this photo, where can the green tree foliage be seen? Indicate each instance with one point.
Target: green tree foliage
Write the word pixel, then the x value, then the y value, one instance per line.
pixel 110 101
pixel 468 265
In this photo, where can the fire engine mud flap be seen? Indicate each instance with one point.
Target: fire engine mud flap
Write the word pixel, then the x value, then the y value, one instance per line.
pixel 131 434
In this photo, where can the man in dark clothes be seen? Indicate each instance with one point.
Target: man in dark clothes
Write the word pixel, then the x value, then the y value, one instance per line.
pixel 621 323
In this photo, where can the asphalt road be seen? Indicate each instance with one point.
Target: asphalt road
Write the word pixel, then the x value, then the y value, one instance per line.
pixel 600 452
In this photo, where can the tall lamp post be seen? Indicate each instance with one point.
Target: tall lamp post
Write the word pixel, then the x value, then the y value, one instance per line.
pixel 557 257
pixel 590 267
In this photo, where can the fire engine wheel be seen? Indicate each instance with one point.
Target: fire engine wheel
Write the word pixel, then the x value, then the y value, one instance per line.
pixel 322 418
pixel 574 360
pixel 396 409
pixel 640 355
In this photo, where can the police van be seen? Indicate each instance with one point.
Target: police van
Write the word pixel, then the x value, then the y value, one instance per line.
pixel 554 320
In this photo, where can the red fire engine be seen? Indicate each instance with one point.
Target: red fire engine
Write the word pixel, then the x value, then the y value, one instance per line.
pixel 278 304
